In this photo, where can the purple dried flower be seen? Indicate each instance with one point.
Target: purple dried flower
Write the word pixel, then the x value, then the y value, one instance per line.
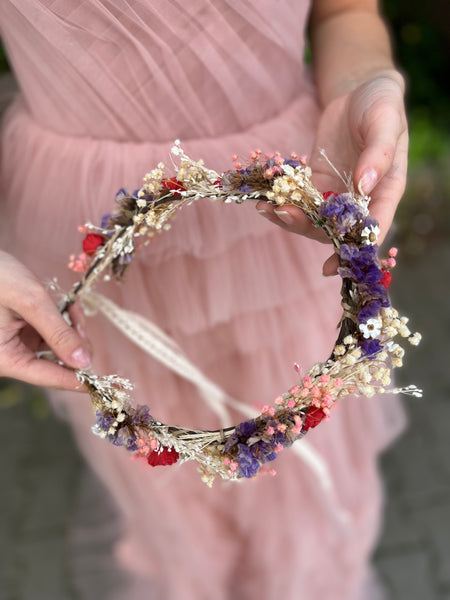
pixel 280 438
pixel 264 451
pixel 105 221
pixel 369 222
pixel 124 437
pixel 361 265
pixel 370 347
pixel 125 259
pixel 104 420
pixel 341 211
pixel 121 194
pixel 374 291
pixel 247 171
pixel 369 311
pixel 231 441
pixel 248 463
pixel 246 429
pixel 227 181
pixel 132 443
pixel 292 162
pixel 141 415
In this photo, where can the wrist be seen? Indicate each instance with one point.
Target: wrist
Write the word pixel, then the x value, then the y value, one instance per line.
pixel 349 49
pixel 351 83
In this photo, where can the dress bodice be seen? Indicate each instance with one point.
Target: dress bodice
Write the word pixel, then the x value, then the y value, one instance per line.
pixel 138 70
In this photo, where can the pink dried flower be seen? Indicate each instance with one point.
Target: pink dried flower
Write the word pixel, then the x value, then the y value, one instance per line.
pixel 307 383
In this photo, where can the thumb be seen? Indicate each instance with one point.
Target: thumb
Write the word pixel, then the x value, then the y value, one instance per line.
pixel 381 138
pixel 381 124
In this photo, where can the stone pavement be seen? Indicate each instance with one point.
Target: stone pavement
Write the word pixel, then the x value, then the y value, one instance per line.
pixel 413 557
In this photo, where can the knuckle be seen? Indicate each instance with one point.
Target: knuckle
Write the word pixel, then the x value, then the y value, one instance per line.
pixel 61 337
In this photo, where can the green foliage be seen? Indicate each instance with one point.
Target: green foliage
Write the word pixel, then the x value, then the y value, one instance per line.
pixel 429 142
pixel 422 45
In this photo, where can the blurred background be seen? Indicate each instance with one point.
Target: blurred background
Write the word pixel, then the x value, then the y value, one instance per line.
pixel 56 522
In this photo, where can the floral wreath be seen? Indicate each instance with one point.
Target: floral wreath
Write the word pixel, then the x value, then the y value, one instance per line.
pixel 362 357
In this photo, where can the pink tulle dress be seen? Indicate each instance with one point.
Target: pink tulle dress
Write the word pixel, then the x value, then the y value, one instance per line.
pixel 106 86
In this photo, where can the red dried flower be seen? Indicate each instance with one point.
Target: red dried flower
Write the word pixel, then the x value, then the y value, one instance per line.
pixel 168 456
pixel 91 242
pixel 328 194
pixel 172 184
pixel 386 279
pixel 313 417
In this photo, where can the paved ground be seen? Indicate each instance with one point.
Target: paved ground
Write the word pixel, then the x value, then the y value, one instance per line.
pixel 55 533
pixel 414 553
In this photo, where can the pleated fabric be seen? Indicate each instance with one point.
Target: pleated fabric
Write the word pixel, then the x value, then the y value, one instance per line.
pixel 106 86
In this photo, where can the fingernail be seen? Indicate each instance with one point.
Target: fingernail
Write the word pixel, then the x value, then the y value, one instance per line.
pixel 368 181
pixel 285 216
pixel 262 211
pixel 81 358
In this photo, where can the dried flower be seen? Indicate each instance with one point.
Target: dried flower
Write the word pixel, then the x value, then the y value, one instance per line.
pixel 364 353
pixel 163 457
pixel 371 328
pixel 91 242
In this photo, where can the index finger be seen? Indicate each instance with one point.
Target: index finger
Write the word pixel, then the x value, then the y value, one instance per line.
pixel 34 304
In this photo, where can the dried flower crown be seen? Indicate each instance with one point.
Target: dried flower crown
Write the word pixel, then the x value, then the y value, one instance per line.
pixel 361 360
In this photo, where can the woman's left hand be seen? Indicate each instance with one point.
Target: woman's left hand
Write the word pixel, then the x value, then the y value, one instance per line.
pixel 365 135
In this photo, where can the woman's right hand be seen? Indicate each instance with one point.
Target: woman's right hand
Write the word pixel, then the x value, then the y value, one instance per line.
pixel 30 322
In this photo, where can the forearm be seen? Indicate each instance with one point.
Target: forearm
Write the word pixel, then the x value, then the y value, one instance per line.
pixel 348 46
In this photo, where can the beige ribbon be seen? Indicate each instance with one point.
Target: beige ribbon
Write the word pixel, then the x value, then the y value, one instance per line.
pixel 152 340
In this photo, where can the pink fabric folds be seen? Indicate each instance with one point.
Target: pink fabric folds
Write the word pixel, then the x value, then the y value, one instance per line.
pixel 106 86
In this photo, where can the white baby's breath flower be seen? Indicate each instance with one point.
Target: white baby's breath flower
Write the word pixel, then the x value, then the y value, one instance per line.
pixel 367 390
pixel 390 332
pixel 404 331
pixel 415 339
pixel 370 329
pixel 366 377
pixel 176 148
pixel 350 360
pixel 391 346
